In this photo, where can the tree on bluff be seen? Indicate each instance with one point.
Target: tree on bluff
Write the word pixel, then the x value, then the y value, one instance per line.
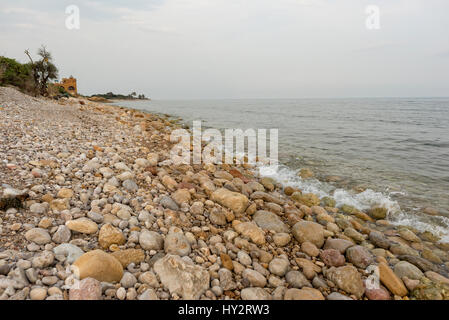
pixel 16 74
pixel 43 70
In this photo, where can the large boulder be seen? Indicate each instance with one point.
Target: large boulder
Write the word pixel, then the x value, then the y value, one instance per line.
pixel 38 235
pixel 86 289
pixel 65 193
pixel 176 243
pixel 38 208
pixel 338 244
pixel 68 250
pixel 378 213
pixel 308 199
pixel 408 235
pixel 250 230
pixel 269 221
pixel 62 234
pixel 403 249
pixel 43 260
pixel 438 278
pixel 181 277
pixel 82 225
pixel 303 294
pixel 99 265
pixel 308 267
pixel 128 256
pixel 430 290
pixel 255 278
pixel 391 280
pixel 337 296
pixel 169 203
pixel 153 159
pixel 376 293
pixel 348 279
pixel 267 197
pixel 379 240
pixel 60 205
pixel 332 258
pixel 354 235
pixel 279 266
pixel 110 235
pixel 169 182
pixel 227 279
pixel 218 217
pixel 406 269
pixel 359 256
pixel 306 173
pixel 181 196
pixel 255 294
pixel 421 263
pixel 296 279
pixel 151 240
pixel 235 201
pixel 309 231
pixel 268 183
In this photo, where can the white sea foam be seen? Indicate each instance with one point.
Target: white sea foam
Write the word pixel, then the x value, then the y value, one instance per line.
pixel 438 226
pixel 362 201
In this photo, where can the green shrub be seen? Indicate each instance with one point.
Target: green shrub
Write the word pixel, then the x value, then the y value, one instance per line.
pixel 14 73
pixel 62 90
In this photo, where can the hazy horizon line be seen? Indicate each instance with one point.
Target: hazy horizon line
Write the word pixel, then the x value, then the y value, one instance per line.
pixel 294 98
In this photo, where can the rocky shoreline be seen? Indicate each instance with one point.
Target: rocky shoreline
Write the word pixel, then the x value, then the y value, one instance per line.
pixel 87 191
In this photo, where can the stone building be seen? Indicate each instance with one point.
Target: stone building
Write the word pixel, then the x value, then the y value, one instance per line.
pixel 69 84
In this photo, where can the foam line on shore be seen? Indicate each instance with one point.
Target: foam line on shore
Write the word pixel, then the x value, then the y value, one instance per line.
pixel 439 225
pixel 362 201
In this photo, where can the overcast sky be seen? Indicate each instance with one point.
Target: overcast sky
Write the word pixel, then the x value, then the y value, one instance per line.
pixel 174 49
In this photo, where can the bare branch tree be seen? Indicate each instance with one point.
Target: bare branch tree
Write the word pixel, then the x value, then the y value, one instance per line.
pixel 43 69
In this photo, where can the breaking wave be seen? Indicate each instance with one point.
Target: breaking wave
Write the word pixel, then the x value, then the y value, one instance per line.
pixel 364 200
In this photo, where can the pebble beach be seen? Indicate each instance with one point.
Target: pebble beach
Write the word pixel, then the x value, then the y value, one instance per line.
pixel 92 208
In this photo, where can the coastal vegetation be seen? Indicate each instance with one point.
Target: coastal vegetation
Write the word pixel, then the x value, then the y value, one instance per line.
pixel 35 78
pixel 113 96
pixel 42 69
pixel 32 77
pixel 13 73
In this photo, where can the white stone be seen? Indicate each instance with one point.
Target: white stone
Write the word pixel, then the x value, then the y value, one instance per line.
pixel 181 277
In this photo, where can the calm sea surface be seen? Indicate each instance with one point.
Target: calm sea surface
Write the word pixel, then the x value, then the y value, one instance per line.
pixel 398 147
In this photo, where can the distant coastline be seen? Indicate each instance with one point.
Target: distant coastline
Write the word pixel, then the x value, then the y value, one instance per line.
pixel 110 97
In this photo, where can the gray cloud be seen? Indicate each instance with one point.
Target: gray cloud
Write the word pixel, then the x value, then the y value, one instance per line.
pixel 239 48
pixel 443 54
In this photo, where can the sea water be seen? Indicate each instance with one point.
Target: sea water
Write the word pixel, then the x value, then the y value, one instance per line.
pixel 392 152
